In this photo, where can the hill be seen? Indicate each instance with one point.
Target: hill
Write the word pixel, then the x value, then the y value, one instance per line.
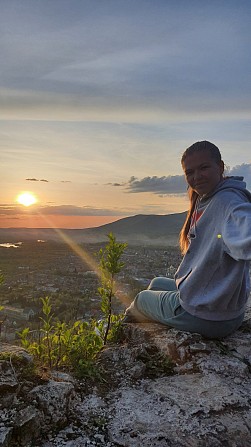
pixel 147 229
pixel 139 229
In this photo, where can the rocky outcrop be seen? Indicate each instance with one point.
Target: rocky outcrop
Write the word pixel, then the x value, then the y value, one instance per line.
pixel 206 402
pixel 30 405
pixel 161 388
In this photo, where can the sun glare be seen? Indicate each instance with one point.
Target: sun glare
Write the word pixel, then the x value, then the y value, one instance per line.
pixel 26 199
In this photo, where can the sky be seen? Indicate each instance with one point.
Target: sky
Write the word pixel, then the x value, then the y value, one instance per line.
pixel 99 99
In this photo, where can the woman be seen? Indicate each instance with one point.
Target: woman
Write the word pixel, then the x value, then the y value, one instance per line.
pixel 212 284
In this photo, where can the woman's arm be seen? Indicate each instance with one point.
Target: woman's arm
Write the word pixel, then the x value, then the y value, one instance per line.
pixel 236 232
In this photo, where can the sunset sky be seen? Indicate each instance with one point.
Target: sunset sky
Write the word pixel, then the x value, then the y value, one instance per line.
pixel 99 98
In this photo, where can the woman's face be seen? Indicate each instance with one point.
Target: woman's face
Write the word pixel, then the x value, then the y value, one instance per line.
pixel 202 172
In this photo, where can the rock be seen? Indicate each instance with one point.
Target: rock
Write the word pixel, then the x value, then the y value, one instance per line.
pixel 26 425
pixel 8 379
pixel 53 401
pixel 162 387
pixel 5 436
pixel 60 376
pixel 29 411
pixel 195 406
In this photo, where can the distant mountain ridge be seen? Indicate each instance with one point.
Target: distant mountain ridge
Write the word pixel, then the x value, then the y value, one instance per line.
pixel 138 229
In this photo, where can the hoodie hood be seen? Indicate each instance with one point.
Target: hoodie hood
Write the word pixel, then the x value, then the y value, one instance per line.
pixel 234 183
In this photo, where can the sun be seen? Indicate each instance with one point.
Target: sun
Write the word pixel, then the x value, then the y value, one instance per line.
pixel 26 199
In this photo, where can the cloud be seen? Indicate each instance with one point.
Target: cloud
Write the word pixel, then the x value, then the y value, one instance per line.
pixel 131 107
pixel 172 184
pixel 61 210
pixel 44 180
pixel 130 75
pixel 10 210
pixel 36 180
pixel 71 210
pixel 243 170
pixel 176 184
pixel 115 184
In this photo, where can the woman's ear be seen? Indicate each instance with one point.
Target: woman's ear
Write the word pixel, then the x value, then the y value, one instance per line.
pixel 222 167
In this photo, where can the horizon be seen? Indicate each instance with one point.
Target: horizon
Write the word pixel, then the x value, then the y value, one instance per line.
pixel 96 111
pixel 84 228
pixel 93 224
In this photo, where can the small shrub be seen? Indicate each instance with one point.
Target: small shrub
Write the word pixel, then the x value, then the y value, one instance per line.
pixel 110 265
pixel 75 346
pixel 62 345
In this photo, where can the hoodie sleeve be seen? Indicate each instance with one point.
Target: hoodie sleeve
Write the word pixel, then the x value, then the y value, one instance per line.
pixel 236 232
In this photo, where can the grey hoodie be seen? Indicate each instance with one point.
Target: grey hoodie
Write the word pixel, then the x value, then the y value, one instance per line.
pixel 213 277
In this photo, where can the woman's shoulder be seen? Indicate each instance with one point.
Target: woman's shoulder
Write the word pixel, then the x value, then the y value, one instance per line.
pixel 235 188
pixel 227 201
pixel 233 196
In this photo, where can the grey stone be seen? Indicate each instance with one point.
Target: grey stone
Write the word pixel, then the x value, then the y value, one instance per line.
pixel 5 436
pixel 203 400
pixel 53 399
pixel 8 379
pixel 27 422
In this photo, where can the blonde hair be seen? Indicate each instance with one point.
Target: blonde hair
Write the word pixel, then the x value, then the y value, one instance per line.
pixel 193 196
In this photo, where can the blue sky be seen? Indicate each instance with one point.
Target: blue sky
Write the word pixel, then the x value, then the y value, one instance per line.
pixel 100 98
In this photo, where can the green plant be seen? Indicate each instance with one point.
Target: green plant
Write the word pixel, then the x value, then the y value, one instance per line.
pixel 41 346
pixel 75 346
pixel 47 329
pixel 85 345
pixel 63 345
pixel 110 265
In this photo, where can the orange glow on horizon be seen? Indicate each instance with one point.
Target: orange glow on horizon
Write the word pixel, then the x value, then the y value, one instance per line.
pixel 55 221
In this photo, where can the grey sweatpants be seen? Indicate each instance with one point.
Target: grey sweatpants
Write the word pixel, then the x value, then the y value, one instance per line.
pixel 160 303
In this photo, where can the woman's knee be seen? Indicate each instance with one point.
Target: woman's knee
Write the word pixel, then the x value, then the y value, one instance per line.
pixel 162 283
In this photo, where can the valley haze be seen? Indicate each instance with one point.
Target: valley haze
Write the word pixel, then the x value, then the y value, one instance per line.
pixel 139 229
